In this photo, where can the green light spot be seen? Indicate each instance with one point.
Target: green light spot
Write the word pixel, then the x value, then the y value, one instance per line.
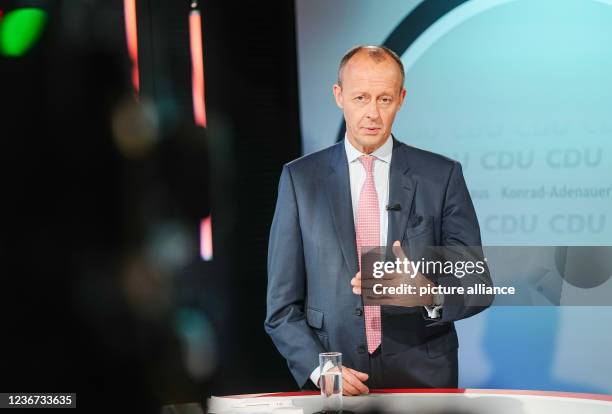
pixel 20 29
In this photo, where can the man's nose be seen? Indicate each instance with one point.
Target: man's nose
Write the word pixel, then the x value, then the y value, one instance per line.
pixel 372 111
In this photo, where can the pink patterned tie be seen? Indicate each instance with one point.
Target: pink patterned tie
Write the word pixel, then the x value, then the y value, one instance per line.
pixel 368 235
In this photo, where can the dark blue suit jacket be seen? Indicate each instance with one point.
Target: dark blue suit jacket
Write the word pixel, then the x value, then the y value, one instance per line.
pixel 312 257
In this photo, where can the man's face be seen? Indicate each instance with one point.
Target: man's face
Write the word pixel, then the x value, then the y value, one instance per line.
pixel 370 96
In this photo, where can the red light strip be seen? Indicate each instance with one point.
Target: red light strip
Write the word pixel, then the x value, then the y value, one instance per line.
pixel 131 32
pixel 470 391
pixel 199 111
pixel 206 245
pixel 197 68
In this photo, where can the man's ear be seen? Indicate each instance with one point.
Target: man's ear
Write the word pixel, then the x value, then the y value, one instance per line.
pixel 337 90
pixel 402 95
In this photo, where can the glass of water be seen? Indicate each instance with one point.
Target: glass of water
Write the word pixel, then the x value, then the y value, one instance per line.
pixel 330 367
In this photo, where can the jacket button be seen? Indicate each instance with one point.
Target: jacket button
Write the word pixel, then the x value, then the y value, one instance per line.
pixel 361 349
pixel 358 311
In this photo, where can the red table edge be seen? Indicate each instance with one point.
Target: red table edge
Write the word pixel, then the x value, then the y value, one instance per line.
pixel 600 397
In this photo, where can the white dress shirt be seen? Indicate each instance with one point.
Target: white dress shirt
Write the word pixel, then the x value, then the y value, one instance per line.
pixel 357 176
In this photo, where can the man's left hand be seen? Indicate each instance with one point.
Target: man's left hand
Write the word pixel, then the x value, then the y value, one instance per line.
pixel 395 280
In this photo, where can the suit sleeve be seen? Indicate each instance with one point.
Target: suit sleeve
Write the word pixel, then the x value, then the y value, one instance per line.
pixel 460 228
pixel 285 320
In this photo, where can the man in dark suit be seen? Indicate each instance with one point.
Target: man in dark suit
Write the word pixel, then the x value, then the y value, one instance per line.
pixel 368 190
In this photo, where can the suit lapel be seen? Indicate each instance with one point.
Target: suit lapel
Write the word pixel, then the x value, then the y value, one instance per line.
pixel 401 191
pixel 338 189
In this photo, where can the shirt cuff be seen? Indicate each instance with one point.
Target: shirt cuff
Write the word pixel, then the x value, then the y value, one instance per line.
pixel 316 374
pixel 434 311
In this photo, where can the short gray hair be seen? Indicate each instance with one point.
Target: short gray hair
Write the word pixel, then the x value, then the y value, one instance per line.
pixel 376 53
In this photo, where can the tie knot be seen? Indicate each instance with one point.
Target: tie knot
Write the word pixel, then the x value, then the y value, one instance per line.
pixel 368 162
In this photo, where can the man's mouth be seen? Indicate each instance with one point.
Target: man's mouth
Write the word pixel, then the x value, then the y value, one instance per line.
pixel 371 130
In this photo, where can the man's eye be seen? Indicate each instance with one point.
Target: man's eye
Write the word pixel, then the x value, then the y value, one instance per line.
pixel 359 98
pixel 385 100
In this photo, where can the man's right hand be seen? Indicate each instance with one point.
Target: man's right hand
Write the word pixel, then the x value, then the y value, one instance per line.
pixel 352 382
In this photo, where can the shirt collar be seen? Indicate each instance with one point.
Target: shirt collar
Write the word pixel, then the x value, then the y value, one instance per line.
pixel 382 153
